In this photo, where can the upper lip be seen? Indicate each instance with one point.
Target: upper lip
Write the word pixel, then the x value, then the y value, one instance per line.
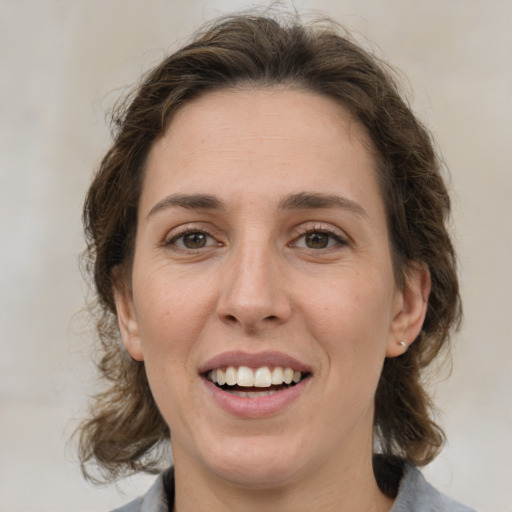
pixel 257 360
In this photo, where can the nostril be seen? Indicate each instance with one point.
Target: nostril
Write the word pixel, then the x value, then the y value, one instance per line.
pixel 233 319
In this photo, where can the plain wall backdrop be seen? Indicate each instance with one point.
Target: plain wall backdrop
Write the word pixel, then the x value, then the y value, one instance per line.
pixel 63 64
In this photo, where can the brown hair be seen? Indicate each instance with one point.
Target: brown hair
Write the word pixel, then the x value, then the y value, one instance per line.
pixel 125 428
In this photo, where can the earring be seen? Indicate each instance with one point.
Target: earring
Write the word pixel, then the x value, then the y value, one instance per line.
pixel 402 344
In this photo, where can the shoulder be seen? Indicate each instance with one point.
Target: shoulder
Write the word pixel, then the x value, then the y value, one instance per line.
pixel 156 499
pixel 415 494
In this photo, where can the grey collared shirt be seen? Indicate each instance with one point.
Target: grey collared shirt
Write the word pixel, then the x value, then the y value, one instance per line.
pixel 415 494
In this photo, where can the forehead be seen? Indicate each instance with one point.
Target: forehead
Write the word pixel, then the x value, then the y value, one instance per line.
pixel 259 112
pixel 277 140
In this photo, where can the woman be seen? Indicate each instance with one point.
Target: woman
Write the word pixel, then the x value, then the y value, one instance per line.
pixel 268 237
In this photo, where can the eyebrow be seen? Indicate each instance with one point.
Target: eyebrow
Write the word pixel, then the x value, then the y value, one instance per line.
pixel 317 201
pixel 300 201
pixel 187 201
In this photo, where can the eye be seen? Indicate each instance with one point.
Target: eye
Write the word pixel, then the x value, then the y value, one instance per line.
pixel 192 240
pixel 318 239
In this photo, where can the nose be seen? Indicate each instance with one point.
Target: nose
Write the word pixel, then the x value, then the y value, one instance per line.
pixel 253 290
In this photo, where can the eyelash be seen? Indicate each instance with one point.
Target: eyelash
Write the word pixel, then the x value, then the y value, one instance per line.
pixel 335 240
pixel 189 230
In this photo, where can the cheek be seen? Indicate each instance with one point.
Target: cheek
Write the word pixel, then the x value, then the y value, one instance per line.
pixel 171 313
pixel 351 318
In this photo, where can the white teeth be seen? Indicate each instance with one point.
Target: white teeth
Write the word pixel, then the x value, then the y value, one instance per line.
pixel 288 375
pixel 261 377
pixel 277 375
pixel 245 377
pixel 221 377
pixel 231 376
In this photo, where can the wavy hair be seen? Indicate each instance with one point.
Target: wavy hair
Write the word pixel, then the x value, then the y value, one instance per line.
pixel 125 432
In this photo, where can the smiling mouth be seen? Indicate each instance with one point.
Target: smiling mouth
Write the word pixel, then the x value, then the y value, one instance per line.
pixel 246 382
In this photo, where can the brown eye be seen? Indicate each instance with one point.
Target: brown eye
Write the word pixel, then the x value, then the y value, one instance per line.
pixel 195 240
pixel 317 240
pixel 192 241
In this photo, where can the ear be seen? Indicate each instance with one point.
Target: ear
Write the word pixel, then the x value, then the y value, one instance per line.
pixel 410 309
pixel 128 325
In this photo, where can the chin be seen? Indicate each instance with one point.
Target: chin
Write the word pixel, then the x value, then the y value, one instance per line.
pixel 257 463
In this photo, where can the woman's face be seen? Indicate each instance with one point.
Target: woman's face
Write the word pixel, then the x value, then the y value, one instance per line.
pixel 262 255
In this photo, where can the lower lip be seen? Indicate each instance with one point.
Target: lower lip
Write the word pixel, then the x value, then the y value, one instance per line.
pixel 256 407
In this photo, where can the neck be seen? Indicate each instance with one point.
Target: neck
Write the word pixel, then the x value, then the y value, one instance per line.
pixel 350 488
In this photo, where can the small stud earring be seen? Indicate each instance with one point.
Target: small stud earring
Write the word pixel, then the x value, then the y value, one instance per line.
pixel 402 344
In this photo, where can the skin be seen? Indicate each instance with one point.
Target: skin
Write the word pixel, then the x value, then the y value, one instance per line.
pixel 263 281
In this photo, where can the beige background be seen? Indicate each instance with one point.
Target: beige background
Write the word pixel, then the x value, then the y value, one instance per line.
pixel 62 64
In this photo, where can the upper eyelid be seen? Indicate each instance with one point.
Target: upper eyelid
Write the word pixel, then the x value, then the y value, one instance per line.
pixel 296 231
pixel 188 227
pixel 182 234
pixel 334 231
pixel 311 226
pixel 342 240
pixel 184 229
